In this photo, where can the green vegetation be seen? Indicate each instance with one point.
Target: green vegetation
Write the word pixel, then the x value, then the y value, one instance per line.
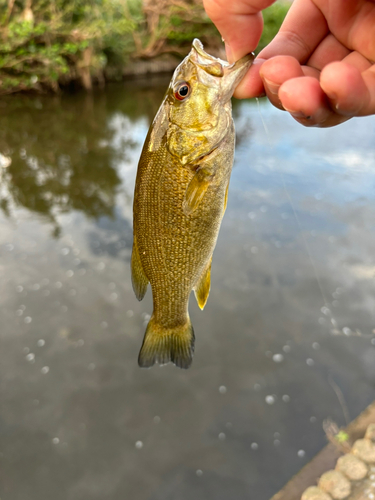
pixel 46 44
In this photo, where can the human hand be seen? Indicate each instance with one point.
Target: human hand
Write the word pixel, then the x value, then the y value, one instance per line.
pixel 319 67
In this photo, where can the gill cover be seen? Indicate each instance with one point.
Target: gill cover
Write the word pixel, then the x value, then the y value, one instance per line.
pixel 198 123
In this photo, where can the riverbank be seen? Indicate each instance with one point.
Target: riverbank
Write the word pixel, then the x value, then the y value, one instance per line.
pixel 48 47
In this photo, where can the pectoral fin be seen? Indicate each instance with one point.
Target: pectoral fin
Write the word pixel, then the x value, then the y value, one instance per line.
pixel 139 279
pixel 196 190
pixel 202 288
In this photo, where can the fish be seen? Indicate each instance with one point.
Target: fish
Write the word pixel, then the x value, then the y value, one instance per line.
pixel 180 197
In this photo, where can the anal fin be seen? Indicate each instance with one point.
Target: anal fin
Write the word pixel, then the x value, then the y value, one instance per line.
pixel 139 279
pixel 202 288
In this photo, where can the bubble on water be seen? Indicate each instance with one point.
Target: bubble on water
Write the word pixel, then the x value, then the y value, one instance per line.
pixel 65 251
pixel 316 346
pixel 28 319
pixel 222 436
pixel 30 357
pixel 270 399
pixel 301 453
pixel 325 310
pixel 276 434
pixel 45 370
pixel 26 350
pixel 9 247
pixel 222 389
pixel 199 472
pixel 72 292
pixel 313 420
pixel 254 446
pixel 129 313
pixel 156 419
pixel 113 296
pixel 19 288
pixel 70 273
pixel 104 324
pixel 41 343
pixel 278 358
pixel 263 209
pixel 146 316
pixel 257 387
pixel 287 348
pixel 276 442
pixel 334 322
pixel 139 445
pixel 310 362
pixel 77 261
pixel 251 215
pixel 19 312
pixel 55 440
pixel 91 366
pixel 346 331
pixel 36 287
pixel 254 249
pixel 286 398
pixel 58 284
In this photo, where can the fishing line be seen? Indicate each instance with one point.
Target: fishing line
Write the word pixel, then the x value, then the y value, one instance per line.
pixel 298 222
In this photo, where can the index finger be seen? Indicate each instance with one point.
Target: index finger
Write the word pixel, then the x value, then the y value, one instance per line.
pixel 239 22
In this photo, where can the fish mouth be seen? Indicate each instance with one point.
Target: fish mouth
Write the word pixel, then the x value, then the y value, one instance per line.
pixel 216 66
pixel 231 74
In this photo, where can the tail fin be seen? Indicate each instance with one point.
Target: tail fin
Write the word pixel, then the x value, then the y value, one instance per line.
pixel 164 345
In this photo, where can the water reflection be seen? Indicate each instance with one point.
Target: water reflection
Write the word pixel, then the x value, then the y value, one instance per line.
pixel 61 154
pixel 290 316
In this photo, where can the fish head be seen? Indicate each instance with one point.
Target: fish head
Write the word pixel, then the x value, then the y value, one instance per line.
pixel 198 100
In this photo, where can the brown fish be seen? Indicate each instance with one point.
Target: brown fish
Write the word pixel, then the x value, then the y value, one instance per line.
pixel 180 198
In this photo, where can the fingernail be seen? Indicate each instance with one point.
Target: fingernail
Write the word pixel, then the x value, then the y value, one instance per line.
pixel 297 114
pixel 331 95
pixel 300 115
pixel 272 86
pixel 228 52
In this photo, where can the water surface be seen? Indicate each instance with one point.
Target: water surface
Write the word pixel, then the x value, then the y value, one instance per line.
pixel 285 341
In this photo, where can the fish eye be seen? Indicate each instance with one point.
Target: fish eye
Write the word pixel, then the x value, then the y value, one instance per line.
pixel 182 91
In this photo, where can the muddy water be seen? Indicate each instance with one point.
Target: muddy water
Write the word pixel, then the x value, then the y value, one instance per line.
pixel 285 341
